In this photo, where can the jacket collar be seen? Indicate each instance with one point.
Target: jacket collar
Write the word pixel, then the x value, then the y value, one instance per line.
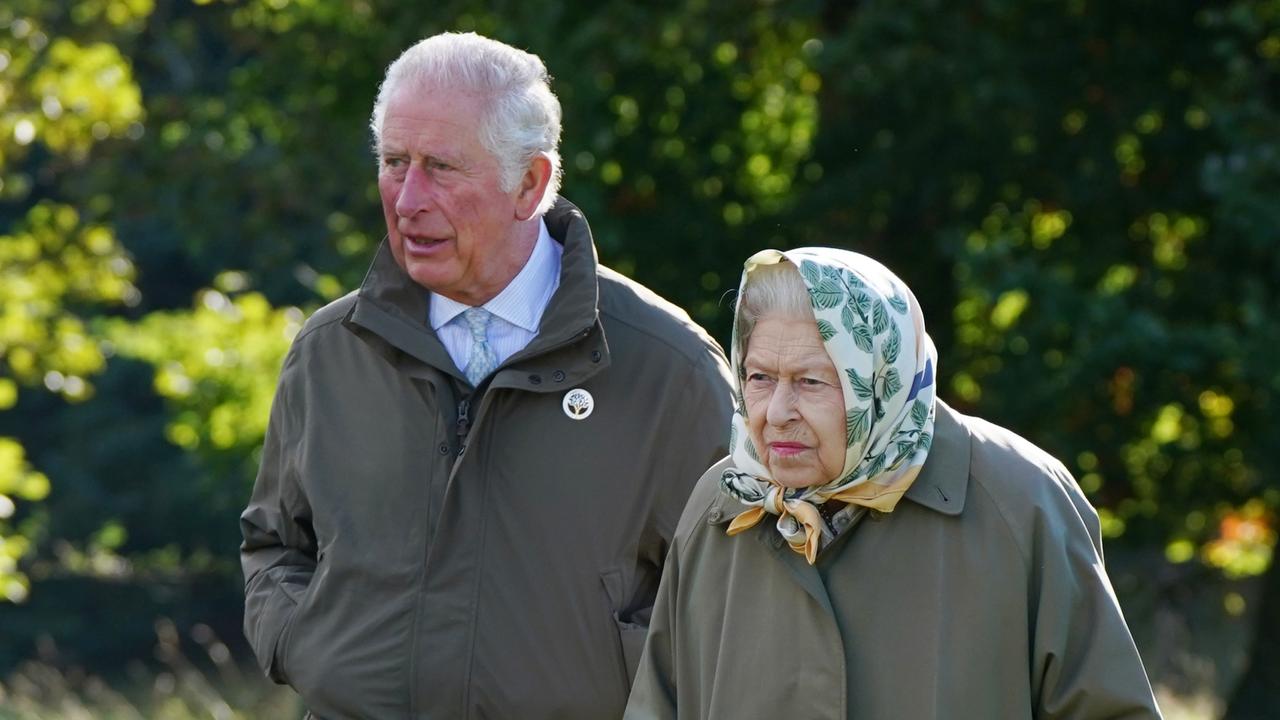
pixel 943 481
pixel 570 345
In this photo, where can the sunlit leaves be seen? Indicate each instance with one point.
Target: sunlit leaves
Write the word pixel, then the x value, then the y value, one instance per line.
pixel 18 480
pixel 1245 541
pixel 49 265
pixel 216 363
pixel 65 95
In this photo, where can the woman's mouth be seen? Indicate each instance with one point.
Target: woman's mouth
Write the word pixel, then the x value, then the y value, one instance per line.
pixel 787 449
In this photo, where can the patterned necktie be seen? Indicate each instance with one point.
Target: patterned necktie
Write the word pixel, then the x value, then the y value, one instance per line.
pixel 481 361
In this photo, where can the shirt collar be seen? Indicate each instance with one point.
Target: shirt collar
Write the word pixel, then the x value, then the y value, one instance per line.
pixel 524 299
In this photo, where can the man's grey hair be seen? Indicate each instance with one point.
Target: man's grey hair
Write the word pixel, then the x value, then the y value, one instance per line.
pixel 522 119
pixel 775 289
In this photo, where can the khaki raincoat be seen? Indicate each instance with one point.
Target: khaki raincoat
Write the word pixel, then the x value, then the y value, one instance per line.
pixel 417 549
pixel 981 596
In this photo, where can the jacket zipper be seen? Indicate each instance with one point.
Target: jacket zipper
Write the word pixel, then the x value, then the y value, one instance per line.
pixel 464 407
pixel 464 421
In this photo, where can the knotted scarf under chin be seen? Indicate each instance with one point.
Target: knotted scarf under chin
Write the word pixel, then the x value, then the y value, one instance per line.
pixel 799 521
pixel 873 330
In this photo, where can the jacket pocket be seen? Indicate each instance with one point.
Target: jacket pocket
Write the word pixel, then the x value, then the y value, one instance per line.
pixel 271 601
pixel 631 634
pixel 295 593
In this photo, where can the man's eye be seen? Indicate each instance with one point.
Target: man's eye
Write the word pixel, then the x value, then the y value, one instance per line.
pixel 812 381
pixel 393 162
pixel 757 377
pixel 438 165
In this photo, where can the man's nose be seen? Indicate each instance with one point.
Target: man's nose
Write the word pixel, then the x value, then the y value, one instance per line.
pixel 415 192
pixel 782 404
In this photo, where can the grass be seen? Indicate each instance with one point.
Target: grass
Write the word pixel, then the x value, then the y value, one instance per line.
pixel 209 685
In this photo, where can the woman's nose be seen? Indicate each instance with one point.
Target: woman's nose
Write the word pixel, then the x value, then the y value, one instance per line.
pixel 782 404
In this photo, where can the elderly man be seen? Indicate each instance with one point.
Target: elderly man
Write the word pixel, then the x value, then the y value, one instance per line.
pixel 476 461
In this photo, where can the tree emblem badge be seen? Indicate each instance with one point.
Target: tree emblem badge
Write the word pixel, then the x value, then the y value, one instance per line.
pixel 578 404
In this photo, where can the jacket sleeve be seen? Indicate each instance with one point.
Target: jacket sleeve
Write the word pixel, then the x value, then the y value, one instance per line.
pixel 697 436
pixel 653 693
pixel 1085 665
pixel 278 551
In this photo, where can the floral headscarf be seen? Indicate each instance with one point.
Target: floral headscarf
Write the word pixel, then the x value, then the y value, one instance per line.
pixel 872 328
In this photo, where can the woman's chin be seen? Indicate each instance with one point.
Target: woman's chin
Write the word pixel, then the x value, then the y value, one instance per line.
pixel 789 478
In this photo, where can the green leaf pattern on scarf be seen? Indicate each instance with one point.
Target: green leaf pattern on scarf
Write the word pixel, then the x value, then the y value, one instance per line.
pixel 871 329
pixel 858 424
pixel 861 387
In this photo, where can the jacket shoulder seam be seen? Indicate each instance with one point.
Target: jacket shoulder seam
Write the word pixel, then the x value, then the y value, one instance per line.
pixel 1004 519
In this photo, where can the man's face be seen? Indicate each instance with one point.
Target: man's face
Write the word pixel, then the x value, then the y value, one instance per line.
pixel 451 226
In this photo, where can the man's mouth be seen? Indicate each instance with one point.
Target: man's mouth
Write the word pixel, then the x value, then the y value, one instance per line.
pixel 422 242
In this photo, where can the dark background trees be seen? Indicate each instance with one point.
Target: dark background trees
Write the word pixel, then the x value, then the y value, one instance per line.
pixel 1083 195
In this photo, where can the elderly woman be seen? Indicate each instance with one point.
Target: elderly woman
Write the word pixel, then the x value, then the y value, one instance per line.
pixel 867 551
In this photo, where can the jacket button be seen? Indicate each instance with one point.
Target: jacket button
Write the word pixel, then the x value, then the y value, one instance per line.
pixel 535 379
pixel 714 515
pixel 558 376
pixel 776 541
pixel 595 356
pixel 444 448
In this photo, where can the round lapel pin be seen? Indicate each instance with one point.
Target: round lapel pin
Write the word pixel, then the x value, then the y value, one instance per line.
pixel 578 404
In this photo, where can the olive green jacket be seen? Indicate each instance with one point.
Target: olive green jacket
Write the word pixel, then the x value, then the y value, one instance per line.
pixel 982 595
pixel 414 549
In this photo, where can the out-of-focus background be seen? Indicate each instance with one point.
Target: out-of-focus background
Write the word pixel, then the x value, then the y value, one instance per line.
pixel 1084 194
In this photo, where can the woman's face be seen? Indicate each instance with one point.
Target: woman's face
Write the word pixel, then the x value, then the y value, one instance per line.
pixel 795 407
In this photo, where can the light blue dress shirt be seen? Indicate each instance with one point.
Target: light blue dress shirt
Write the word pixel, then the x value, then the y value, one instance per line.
pixel 517 310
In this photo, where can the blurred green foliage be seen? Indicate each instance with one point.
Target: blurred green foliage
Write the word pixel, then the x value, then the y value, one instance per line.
pixel 1082 194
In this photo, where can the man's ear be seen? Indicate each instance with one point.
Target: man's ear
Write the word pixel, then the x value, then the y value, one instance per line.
pixel 532 185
